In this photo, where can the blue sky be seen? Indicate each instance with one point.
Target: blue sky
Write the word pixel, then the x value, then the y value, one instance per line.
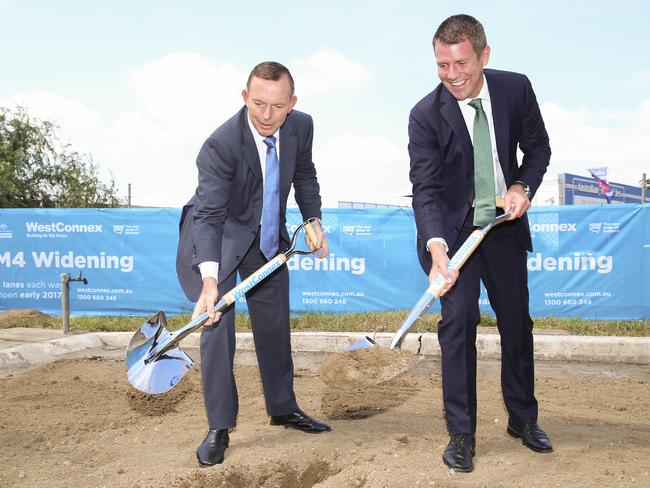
pixel 141 84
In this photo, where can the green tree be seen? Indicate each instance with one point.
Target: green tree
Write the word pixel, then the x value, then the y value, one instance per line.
pixel 37 170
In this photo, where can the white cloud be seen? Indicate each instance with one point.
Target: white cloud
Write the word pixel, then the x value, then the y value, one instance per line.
pixel 583 138
pixel 358 168
pixel 179 100
pixel 76 121
pixel 183 89
pixel 328 71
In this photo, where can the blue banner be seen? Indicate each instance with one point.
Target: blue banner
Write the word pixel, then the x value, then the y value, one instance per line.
pixel 127 256
pixel 588 261
pixel 371 266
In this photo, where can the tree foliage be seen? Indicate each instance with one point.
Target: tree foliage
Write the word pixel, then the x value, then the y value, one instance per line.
pixel 37 170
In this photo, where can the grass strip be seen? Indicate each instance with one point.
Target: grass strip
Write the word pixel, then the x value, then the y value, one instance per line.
pixel 368 322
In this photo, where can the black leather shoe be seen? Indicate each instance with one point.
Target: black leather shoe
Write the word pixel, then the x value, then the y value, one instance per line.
pixel 301 421
pixel 459 453
pixel 212 449
pixel 531 435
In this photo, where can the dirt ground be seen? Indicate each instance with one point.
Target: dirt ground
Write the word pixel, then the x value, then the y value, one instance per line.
pixel 77 423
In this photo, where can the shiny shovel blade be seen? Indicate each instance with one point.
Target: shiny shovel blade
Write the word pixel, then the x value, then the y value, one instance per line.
pixel 162 374
pixel 364 343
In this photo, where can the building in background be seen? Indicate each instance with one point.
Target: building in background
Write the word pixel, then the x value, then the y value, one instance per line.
pixel 585 190
pixel 570 189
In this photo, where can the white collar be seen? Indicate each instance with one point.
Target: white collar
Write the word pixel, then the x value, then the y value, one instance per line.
pixel 257 137
pixel 484 94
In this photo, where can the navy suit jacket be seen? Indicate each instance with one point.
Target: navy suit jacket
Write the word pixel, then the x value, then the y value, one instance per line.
pixel 442 157
pixel 222 219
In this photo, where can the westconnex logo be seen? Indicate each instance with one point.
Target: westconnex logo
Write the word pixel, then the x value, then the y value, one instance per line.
pixel 564 227
pixel 62 227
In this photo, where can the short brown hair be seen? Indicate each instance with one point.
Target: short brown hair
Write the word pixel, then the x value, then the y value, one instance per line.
pixel 457 28
pixel 270 70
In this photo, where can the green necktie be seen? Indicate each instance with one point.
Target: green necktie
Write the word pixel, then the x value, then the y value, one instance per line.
pixel 484 207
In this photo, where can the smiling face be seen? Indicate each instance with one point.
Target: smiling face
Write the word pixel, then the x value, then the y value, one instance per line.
pixel 460 68
pixel 269 102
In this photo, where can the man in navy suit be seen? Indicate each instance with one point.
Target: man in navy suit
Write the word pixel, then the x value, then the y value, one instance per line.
pixel 246 167
pixel 442 150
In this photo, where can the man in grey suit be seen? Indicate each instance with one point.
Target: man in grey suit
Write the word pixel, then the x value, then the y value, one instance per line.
pixel 235 224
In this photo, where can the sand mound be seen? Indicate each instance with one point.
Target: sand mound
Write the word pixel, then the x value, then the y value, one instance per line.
pixel 366 402
pixel 361 368
pixel 155 405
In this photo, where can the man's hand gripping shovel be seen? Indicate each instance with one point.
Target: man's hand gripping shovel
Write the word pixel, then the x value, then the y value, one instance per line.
pixel 422 305
pixel 154 361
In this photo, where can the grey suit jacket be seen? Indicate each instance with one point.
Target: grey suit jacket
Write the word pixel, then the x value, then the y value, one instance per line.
pixel 222 219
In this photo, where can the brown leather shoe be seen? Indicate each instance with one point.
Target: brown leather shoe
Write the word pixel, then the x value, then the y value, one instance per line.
pixel 459 453
pixel 212 449
pixel 531 435
pixel 301 421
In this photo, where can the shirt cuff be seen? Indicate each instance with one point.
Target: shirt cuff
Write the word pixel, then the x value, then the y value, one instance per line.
pixel 209 269
pixel 440 240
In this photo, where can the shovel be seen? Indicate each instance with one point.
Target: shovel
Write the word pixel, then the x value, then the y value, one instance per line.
pixel 155 363
pixel 368 365
pixel 433 291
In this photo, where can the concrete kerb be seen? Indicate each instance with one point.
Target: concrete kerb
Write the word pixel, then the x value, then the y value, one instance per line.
pixel 35 353
pixel 631 350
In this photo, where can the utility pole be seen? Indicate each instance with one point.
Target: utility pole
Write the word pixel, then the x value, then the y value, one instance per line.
pixel 129 196
pixel 644 186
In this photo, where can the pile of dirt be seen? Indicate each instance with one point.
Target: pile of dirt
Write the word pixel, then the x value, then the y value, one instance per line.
pixel 26 318
pixel 363 402
pixel 362 368
pixel 161 404
pixel 366 382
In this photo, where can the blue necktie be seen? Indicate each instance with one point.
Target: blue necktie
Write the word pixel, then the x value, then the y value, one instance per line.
pixel 270 238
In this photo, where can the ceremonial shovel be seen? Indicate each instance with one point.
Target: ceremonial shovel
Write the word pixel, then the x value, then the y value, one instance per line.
pixel 433 291
pixel 155 363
